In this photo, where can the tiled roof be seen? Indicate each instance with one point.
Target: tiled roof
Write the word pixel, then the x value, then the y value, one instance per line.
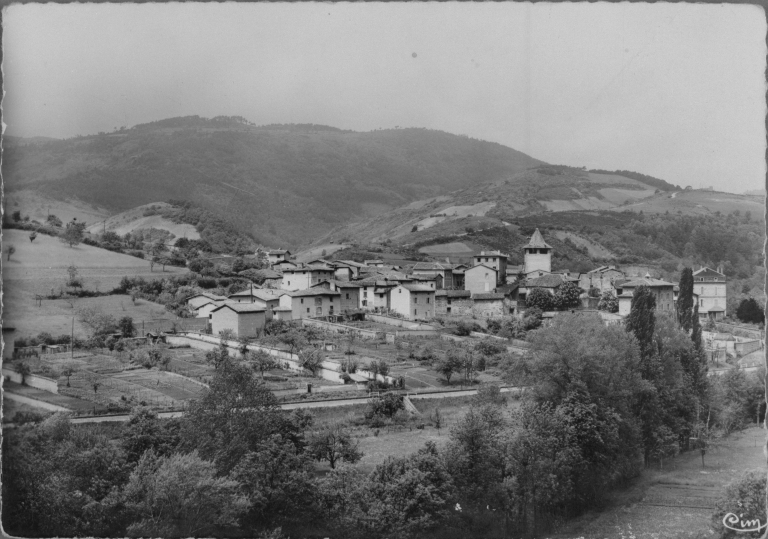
pixel 453 293
pixel 314 292
pixel 488 295
pixel 507 288
pixel 339 284
pixel 545 281
pixel 260 294
pixel 241 308
pixel 708 272
pixel 537 241
pixel 279 252
pixel 482 266
pixel 645 281
pixel 417 287
pixel 207 295
pixel 351 263
pixel 492 253
pixel 431 266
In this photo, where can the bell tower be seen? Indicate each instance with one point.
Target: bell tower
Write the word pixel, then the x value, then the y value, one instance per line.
pixel 538 254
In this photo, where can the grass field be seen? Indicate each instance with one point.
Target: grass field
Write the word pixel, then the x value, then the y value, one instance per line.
pixel 40 266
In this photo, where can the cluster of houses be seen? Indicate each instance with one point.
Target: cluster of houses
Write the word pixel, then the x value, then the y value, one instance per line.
pixel 489 287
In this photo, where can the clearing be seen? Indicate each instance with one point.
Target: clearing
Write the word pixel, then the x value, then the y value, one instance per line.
pixel 39 207
pixel 594 249
pixel 134 219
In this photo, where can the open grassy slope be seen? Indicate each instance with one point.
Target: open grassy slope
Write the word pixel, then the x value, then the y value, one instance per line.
pixel 39 266
pixel 134 219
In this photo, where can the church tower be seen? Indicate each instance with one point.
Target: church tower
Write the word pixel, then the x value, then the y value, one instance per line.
pixel 538 255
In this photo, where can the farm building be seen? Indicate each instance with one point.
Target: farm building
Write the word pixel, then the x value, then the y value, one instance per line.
pixel 413 301
pixel 198 300
pixel 452 302
pixel 244 319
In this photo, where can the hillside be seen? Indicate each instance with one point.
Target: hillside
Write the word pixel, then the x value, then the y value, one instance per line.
pixel 281 184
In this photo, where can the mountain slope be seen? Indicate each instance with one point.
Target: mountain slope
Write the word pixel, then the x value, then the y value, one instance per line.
pixel 282 184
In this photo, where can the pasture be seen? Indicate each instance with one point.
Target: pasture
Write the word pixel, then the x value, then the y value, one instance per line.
pixel 39 267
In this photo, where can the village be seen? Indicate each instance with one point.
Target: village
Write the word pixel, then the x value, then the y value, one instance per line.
pixel 339 330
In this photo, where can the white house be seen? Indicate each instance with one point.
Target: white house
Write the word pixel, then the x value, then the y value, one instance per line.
pixel 413 301
pixel 710 285
pixel 480 278
pixel 244 319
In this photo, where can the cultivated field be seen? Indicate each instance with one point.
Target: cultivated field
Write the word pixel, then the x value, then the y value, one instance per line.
pixel 134 219
pixel 40 266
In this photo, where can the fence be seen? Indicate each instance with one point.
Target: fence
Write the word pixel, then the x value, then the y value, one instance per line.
pixel 32 380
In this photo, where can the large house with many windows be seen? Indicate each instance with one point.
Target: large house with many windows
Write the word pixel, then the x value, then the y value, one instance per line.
pixel 710 286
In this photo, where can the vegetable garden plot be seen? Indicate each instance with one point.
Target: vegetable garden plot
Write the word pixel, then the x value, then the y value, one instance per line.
pixel 175 387
pixel 110 390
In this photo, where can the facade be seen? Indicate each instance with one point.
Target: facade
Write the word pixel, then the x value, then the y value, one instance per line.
pixel 453 302
pixel 481 278
pixel 538 255
pixel 303 277
pixel 662 291
pixel 315 302
pixel 413 301
pixel 710 286
pixel 245 320
pixel 349 293
pixel 549 282
pixel 601 278
pixel 346 270
pixel 488 305
pixel 495 260
pixel 204 311
pixel 435 281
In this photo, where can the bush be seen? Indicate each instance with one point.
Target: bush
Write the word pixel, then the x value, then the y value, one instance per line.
pixel 386 406
pixel 744 496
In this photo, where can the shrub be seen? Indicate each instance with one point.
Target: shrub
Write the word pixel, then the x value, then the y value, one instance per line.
pixel 744 496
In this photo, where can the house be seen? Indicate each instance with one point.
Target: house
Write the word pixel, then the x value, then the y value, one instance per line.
pixel 488 304
pixel 481 278
pixel 283 265
pixel 375 293
pixel 458 277
pixel 513 273
pixel 435 280
pixel 496 260
pixel 413 301
pixel 204 311
pixel 662 291
pixel 315 302
pixel 453 302
pixel 244 319
pixel 347 269
pixel 538 256
pixel 510 291
pixel 198 300
pixel 349 290
pixel 710 285
pixel 549 282
pixel 374 263
pixel 268 299
pixel 442 270
pixel 601 278
pixel 277 255
pixel 304 276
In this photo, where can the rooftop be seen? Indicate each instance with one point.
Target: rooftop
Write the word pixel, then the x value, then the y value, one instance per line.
pixel 545 281
pixel 453 293
pixel 241 308
pixel 417 287
pixel 537 241
pixel 314 292
pixel 488 295
pixel 646 281
pixel 492 253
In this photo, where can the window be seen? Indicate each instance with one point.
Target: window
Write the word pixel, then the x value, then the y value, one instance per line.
pixel 302 301
pixel 289 283
pixel 347 295
pixel 318 301
pixel 307 310
pixel 427 301
pixel 415 299
pixel 414 312
pixel 319 311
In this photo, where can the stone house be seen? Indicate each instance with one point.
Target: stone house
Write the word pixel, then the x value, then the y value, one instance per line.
pixel 278 255
pixel 443 271
pixel 496 260
pixel 662 291
pixel 204 311
pixel 601 278
pixel 198 300
pixel 453 302
pixel 347 270
pixel 488 304
pixel 349 293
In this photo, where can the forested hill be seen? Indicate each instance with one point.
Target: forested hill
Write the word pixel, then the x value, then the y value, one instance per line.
pixel 283 184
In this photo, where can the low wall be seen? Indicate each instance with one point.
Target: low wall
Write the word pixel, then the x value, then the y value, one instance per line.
pixel 399 322
pixel 415 333
pixel 341 328
pixel 33 380
pixel 329 370
pixel 746 347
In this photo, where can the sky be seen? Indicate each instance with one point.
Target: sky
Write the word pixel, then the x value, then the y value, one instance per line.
pixel 676 91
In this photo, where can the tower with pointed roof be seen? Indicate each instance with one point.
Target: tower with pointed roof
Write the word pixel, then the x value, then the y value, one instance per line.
pixel 538 255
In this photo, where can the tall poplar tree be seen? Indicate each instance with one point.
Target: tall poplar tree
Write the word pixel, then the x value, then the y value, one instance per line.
pixel 642 319
pixel 696 331
pixel 685 299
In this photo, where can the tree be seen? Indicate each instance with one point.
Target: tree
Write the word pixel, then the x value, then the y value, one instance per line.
pixel 750 311
pixel 608 302
pixel 73 233
pixel 24 370
pixel 32 236
pixel 567 296
pixel 218 357
pixel 334 443
pixel 125 324
pixel 181 496
pixel 10 249
pixel 696 331
pixel 98 322
pixel 539 298
pixel 447 366
pixel 262 361
pixel 294 339
pixel 642 319
pixel 685 299
pixel 145 432
pixel 53 220
pixel 311 359
pixel 16 216
pixel 68 370
pixel 386 406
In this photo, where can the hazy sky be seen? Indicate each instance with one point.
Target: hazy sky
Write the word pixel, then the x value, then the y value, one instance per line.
pixel 676 91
